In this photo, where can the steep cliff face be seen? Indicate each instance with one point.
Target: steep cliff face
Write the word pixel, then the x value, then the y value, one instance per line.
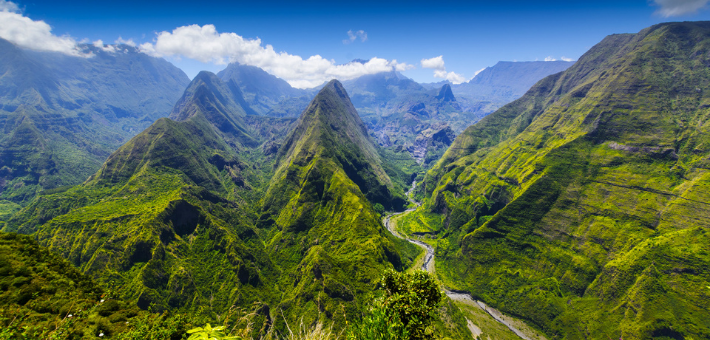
pixel 583 206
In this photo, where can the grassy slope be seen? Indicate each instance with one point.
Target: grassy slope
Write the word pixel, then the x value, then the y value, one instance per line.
pixel 174 200
pixel 169 218
pixel 38 290
pixel 582 207
pixel 326 235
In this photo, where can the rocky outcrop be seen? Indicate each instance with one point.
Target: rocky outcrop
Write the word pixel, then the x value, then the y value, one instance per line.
pixel 434 139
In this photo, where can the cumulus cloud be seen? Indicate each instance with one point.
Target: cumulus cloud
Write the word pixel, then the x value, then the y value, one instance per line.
pixel 437 64
pixel 121 41
pixel 106 48
pixel 37 35
pixel 550 58
pixel 454 78
pixel 563 58
pixel 672 8
pixel 352 36
pixel 205 44
pixel 9 6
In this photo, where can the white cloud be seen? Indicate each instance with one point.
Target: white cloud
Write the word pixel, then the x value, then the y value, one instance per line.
pixel 450 76
pixel 9 6
pixel 106 48
pixel 672 8
pixel 205 44
pixel 477 72
pixel 436 63
pixel 566 59
pixel 352 36
pixel 37 35
pixel 121 41
pixel 550 58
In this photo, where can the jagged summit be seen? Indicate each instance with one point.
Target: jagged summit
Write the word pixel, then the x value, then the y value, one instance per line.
pixel 445 94
pixel 209 98
pixel 332 106
pixel 330 129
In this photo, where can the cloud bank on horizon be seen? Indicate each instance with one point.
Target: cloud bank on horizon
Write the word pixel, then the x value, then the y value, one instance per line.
pixel 205 44
pixel 437 64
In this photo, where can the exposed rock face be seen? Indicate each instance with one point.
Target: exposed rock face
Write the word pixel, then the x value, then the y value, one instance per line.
pixel 434 138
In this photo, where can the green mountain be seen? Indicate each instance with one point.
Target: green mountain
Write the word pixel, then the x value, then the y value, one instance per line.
pixel 320 210
pixel 62 116
pixel 171 217
pixel 583 206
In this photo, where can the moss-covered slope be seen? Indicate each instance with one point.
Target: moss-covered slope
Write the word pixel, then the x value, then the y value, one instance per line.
pixel 583 207
pixel 43 296
pixel 327 237
pixel 169 216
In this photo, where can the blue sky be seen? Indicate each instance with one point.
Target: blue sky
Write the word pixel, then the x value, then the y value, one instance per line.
pixel 469 36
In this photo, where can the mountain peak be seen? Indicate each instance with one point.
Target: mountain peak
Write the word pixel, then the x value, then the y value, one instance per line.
pixel 331 135
pixel 209 98
pixel 332 106
pixel 445 94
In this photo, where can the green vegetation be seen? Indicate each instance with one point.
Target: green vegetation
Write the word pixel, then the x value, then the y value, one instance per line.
pixel 202 216
pixel 582 207
pixel 414 298
pixel 62 116
pixel 42 296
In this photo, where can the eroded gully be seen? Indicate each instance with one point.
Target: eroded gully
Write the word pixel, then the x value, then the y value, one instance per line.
pixel 428 266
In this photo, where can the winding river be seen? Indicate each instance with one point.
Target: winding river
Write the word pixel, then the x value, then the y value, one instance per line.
pixel 428 266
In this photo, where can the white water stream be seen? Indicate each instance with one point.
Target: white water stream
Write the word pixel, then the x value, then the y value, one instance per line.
pixel 429 261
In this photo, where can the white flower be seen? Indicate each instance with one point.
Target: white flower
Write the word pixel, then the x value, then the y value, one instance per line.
pixel 102 300
pixel 101 334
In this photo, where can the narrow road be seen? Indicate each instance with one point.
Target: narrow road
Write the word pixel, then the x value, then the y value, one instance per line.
pixel 429 261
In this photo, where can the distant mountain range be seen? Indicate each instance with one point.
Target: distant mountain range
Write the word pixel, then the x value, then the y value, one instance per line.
pixel 396 109
pixel 63 115
pixel 266 94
